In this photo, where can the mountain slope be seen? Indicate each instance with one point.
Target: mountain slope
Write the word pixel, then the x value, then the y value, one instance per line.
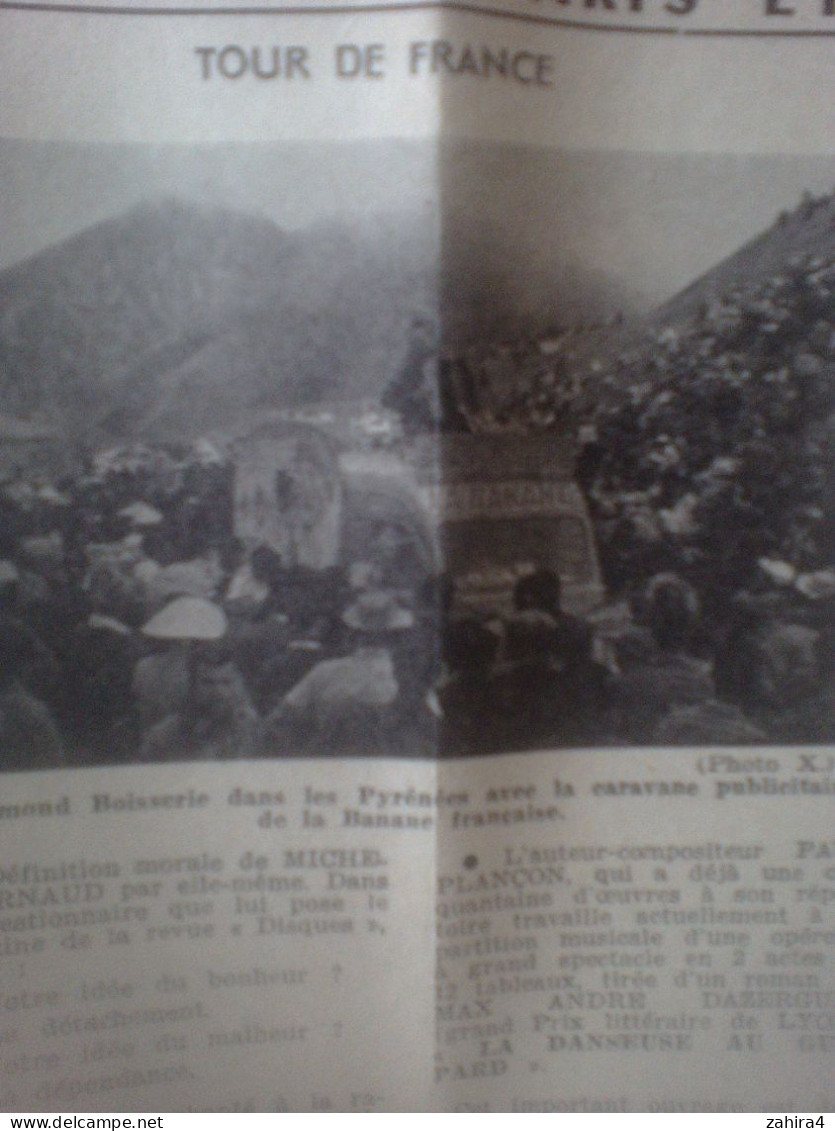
pixel 809 230
pixel 173 319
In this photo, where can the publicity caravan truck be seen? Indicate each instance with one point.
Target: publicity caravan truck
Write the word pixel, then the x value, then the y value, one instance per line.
pixel 505 504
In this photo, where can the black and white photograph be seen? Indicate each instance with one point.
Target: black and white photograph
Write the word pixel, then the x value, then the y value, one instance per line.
pixel 415 450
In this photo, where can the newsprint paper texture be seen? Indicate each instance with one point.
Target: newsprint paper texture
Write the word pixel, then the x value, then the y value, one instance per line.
pixel 417 580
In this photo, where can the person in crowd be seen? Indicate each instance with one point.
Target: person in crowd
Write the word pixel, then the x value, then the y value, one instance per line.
pixel 465 695
pixel 541 592
pixel 39 668
pixel 550 689
pixel 413 393
pixel 217 721
pixel 29 736
pixel 99 717
pixel 260 633
pixel 345 704
pixel 160 681
pixel 785 694
pixel 670 676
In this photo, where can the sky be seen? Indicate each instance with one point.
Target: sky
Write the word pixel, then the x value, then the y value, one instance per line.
pixel 653 222
pixel 50 191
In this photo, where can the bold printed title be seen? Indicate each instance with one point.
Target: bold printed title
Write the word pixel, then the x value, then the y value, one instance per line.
pixel 357 61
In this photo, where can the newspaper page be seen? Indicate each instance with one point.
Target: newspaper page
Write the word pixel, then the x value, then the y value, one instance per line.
pixel 417 572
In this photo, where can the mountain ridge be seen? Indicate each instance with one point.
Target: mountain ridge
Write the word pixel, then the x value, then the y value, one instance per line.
pixel 172 317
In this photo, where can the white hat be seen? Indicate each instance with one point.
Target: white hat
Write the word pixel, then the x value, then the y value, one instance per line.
pixel 187 618
pixel 50 494
pixel 781 573
pixel 377 611
pixel 817 585
pixel 107 624
pixel 9 573
pixel 141 514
